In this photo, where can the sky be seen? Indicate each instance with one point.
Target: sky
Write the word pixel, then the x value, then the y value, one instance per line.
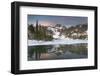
pixel 49 20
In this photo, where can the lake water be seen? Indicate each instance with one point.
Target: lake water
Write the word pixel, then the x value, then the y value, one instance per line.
pixel 58 51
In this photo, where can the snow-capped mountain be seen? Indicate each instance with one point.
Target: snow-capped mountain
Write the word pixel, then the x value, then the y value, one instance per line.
pixel 58 31
pixel 75 32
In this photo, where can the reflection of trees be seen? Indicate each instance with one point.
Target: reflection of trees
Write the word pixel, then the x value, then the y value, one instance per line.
pixel 36 51
pixel 77 48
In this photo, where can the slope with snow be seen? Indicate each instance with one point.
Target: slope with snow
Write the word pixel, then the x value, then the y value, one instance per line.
pixel 57 41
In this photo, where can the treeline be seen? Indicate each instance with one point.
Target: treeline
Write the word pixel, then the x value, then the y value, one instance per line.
pixel 38 33
pixel 77 32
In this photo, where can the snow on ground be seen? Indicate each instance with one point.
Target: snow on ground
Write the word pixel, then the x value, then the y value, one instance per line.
pixel 55 41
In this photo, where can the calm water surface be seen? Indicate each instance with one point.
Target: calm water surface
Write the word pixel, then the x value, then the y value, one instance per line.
pixel 53 52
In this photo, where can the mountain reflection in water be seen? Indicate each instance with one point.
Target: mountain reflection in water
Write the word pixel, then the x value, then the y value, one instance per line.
pixel 53 52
